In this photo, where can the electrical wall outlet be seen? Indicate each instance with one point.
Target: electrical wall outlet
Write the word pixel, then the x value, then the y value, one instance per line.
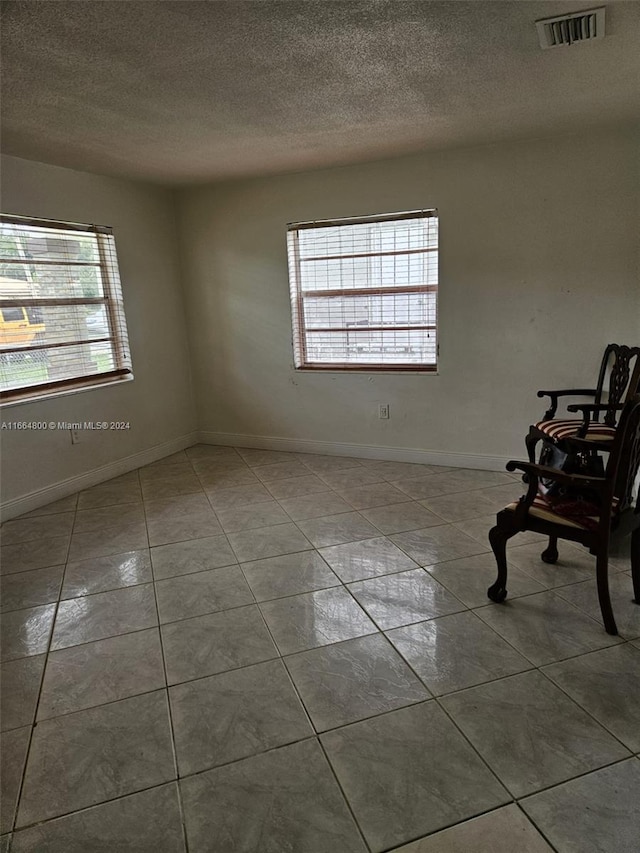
pixel 383 411
pixel 75 436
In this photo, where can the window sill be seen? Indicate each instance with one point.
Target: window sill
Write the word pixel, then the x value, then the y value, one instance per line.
pixel 394 371
pixel 64 392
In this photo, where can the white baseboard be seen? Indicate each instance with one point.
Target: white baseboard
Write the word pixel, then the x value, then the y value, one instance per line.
pixel 359 451
pixel 42 497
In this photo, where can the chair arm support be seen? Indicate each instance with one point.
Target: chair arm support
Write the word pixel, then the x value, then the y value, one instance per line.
pixel 588 409
pixel 569 392
pixel 566 392
pixel 555 474
pixel 595 407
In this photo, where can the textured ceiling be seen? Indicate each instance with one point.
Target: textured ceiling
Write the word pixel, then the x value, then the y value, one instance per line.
pixel 189 90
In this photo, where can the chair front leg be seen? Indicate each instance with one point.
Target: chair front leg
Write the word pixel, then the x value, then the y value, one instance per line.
pixel 550 553
pixel 498 538
pixel 602 577
pixel 635 564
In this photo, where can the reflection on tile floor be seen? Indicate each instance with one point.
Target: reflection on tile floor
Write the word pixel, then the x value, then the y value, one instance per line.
pixel 250 650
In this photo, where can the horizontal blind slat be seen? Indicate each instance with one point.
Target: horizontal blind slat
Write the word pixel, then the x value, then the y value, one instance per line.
pixel 362 220
pixel 35 262
pixel 54 224
pixel 39 303
pixel 398 253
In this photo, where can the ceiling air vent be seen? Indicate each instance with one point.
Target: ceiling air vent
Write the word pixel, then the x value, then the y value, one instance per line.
pixel 564 30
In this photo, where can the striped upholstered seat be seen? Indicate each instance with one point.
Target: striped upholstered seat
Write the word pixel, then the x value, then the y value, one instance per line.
pixel 557 430
pixel 572 514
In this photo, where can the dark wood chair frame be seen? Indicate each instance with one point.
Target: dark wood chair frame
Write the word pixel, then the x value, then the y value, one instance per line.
pixel 615 521
pixel 622 385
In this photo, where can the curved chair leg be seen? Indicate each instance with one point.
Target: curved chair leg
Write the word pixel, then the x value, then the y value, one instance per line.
pixel 550 553
pixel 498 538
pixel 602 577
pixel 635 564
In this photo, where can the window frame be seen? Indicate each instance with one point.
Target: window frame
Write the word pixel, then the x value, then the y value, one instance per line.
pixel 299 330
pixel 112 300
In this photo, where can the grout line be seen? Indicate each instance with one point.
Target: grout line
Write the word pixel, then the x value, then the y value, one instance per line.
pixel 586 711
pixel 581 775
pixel 535 825
pixel 169 713
pixel 465 820
pixel 90 807
pixel 344 795
pixel 33 723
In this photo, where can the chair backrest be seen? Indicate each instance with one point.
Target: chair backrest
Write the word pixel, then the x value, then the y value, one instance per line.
pixel 618 362
pixel 624 460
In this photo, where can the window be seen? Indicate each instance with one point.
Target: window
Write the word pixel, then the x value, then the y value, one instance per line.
pixel 364 292
pixel 11 314
pixel 62 324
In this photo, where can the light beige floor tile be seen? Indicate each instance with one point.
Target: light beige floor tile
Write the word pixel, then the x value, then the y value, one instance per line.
pixel 268 542
pixel 314 506
pixel 504 830
pixel 337 529
pixel 377 494
pixel 108 540
pixel 38 527
pixel 401 517
pixel 297 487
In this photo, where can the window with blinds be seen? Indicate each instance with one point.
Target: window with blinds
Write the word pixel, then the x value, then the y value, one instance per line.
pixel 62 323
pixel 364 292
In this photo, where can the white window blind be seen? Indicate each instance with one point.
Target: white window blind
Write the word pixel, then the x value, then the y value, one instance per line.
pixel 364 292
pixel 62 323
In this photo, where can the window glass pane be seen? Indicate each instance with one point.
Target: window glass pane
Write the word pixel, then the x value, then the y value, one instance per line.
pixel 371 272
pixel 32 367
pixel 56 324
pixel 69 282
pixel 382 277
pixel 384 310
pixel 32 242
pixel 361 346
pixel 64 286
pixel 396 235
pixel 12 315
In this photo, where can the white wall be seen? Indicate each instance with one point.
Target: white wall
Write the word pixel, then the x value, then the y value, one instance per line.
pixel 158 403
pixel 539 271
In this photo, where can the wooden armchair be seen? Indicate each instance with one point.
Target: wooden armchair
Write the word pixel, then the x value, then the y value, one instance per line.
pixel 622 378
pixel 610 513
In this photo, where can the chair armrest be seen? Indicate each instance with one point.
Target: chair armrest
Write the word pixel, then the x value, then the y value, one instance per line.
pixel 595 407
pixel 538 471
pixel 588 409
pixel 566 392
pixel 569 392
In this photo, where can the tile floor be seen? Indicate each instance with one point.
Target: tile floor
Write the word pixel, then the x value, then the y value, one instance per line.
pixel 247 650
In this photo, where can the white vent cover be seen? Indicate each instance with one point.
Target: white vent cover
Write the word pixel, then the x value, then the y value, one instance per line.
pixel 564 30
